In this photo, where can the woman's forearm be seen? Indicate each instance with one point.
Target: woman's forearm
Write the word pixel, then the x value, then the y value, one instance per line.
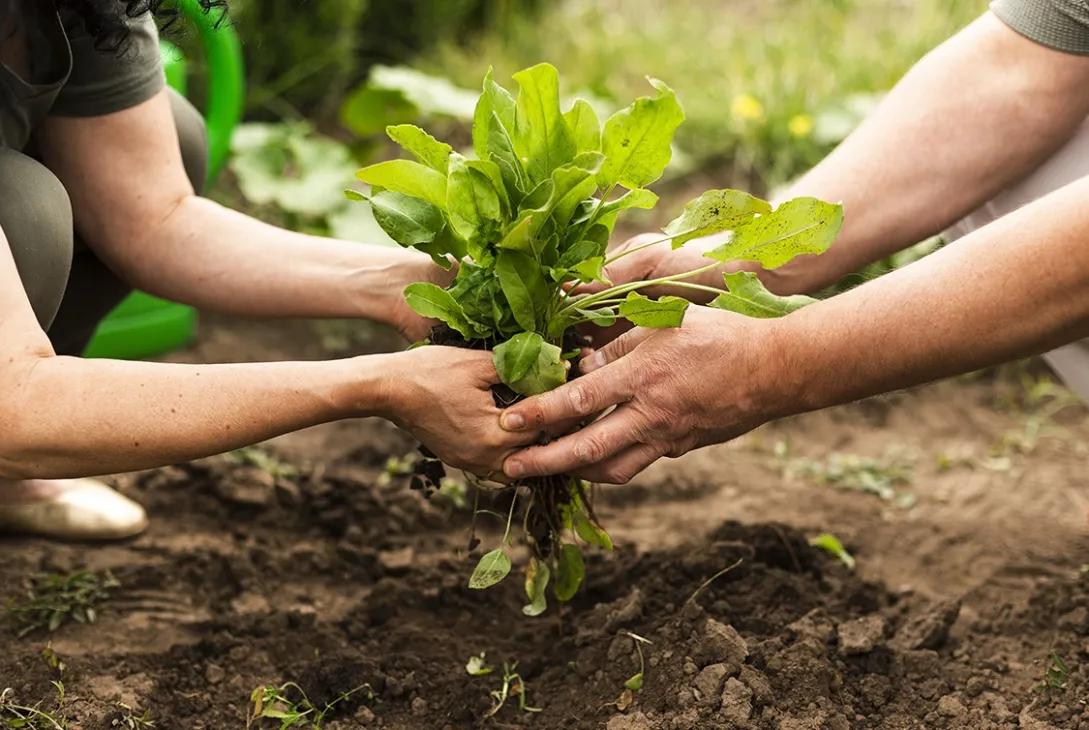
pixel 978 113
pixel 66 417
pixel 220 260
pixel 1017 287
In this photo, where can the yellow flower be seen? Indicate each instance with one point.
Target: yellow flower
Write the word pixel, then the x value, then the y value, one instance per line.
pixel 747 108
pixel 800 126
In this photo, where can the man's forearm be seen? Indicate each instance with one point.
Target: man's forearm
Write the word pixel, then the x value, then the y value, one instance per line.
pixel 978 113
pixel 1015 288
pixel 68 417
pixel 220 260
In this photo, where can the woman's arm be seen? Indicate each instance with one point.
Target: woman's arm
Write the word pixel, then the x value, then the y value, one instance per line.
pixel 135 207
pixel 65 417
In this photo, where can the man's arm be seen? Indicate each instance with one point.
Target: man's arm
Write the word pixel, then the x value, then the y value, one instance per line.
pixel 978 113
pixel 1017 287
pixel 135 207
pixel 65 417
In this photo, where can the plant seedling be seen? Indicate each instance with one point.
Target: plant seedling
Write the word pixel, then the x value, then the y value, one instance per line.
pixel 16 715
pixel 636 682
pixel 1056 674
pixel 130 720
pixel 263 460
pixel 831 544
pixel 272 702
pixel 51 599
pixel 513 686
pixel 527 217
pixel 476 666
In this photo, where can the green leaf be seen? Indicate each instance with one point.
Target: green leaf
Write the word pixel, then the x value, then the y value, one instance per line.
pixel 748 296
pixel 354 195
pixel 592 269
pixel 644 312
pixel 409 178
pixel 541 135
pixel 537 575
pixel 799 226
pixel 476 667
pixel 581 251
pixel 472 203
pixel 638 198
pixel 408 221
pixel 445 244
pixel 514 358
pixel 491 569
pixel 584 124
pixel 599 317
pixel 590 532
pixel 519 238
pixel 423 146
pixel 367 111
pixel 571 186
pixel 635 683
pixel 570 571
pixel 431 301
pixel 589 161
pixel 492 171
pixel 831 544
pixel 637 140
pixel 524 285
pixel 712 212
pixel 494 101
pixel 548 373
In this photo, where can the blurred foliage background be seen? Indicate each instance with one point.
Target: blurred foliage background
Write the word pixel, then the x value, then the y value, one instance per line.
pixel 769 86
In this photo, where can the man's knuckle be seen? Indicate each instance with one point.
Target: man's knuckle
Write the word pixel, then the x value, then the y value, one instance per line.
pixel 590 450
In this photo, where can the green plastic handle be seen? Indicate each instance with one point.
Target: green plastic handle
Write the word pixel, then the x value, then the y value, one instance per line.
pixel 226 81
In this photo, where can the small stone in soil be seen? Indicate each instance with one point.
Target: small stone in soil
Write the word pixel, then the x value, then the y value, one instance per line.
pixel 637 721
pixel 929 631
pixel 950 706
pixel 736 701
pixel 214 674
pixel 721 644
pixel 862 635
pixel 708 685
pixel 397 561
pixel 419 707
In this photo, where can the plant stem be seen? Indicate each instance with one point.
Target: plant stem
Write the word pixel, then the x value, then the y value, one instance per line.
pixel 625 288
pixel 622 254
pixel 513 504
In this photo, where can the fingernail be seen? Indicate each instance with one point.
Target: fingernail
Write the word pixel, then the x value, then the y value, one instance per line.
pixel 597 360
pixel 512 421
pixel 513 469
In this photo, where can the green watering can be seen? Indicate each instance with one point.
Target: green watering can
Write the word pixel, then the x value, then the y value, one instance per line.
pixel 144 326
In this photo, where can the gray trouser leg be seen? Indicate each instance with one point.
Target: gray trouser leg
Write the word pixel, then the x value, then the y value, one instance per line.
pixel 1069 164
pixel 70 289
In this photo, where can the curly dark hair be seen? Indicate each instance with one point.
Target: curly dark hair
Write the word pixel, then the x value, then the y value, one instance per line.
pixel 105 20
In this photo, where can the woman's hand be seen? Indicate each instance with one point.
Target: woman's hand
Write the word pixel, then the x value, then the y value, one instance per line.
pixel 418 268
pixel 442 396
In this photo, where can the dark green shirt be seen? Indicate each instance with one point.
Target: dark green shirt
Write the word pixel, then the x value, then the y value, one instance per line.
pixel 66 76
pixel 1059 24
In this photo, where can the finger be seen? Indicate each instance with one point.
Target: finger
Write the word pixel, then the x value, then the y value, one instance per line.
pixel 595 443
pixel 615 350
pixel 589 394
pixel 621 468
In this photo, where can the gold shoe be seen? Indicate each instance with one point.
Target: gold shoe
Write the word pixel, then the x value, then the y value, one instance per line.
pixel 82 509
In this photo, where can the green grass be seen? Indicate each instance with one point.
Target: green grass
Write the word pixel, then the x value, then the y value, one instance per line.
pixel 764 84
pixel 51 600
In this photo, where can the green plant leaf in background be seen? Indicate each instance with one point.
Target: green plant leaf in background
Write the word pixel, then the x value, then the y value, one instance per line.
pixel 584 124
pixel 491 569
pixel 713 212
pixel 748 296
pixel 799 226
pixel 409 178
pixel 408 221
pixel 570 570
pixel 658 313
pixel 637 141
pixel 537 575
pixel 541 135
pixel 423 146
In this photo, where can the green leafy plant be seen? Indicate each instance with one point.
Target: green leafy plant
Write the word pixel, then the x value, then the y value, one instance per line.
pixel 52 599
pixel 635 683
pixel 831 544
pixel 272 702
pixel 14 714
pixel 527 220
pixel 132 719
pixel 1056 674
pixel 513 686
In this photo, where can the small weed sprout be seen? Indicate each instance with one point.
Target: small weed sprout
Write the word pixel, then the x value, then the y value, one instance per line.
pixel 263 460
pixel 271 702
pixel 513 686
pixel 52 599
pixel 15 715
pixel 831 544
pixel 130 720
pixel 1056 674
pixel 636 682
pixel 476 666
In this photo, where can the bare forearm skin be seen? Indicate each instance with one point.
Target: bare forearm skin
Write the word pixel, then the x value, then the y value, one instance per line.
pixel 220 260
pixel 1015 288
pixel 68 417
pixel 978 113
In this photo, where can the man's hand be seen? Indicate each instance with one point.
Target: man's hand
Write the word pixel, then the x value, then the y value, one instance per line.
pixel 442 396
pixel 674 390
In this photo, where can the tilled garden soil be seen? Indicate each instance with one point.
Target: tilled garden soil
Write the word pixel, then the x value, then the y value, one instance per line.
pixel 330 580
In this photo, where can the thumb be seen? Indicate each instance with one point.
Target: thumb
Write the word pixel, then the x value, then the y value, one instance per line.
pixel 618 348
